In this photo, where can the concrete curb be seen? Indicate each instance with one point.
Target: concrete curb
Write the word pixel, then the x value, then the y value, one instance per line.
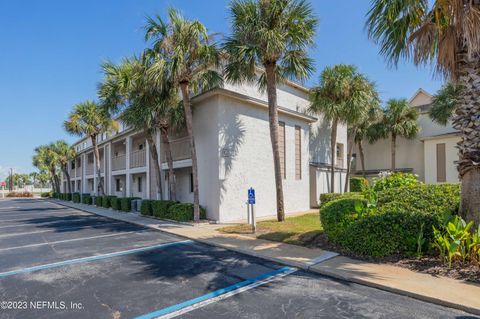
pixel 304 266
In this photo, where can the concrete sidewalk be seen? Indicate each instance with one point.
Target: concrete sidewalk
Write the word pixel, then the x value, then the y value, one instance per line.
pixel 439 290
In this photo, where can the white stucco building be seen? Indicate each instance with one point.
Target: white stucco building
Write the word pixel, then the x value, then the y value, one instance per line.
pixel 234 153
pixel 431 154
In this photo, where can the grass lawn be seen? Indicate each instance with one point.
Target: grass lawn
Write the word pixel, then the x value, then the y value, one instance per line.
pixel 298 230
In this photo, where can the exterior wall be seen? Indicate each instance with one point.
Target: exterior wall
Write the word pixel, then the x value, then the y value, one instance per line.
pixel 183 189
pixel 246 161
pixel 134 185
pixel 431 160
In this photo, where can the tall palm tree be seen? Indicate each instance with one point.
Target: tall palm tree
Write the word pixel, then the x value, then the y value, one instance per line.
pixel 65 153
pixel 445 33
pixel 276 35
pixel 399 120
pixel 342 96
pixel 46 160
pixel 184 51
pixel 444 103
pixel 144 104
pixel 90 119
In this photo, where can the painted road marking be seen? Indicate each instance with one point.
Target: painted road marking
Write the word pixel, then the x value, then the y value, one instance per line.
pixel 217 295
pixel 92 258
pixel 68 240
pixel 58 229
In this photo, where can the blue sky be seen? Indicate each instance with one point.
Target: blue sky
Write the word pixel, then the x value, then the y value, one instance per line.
pixel 51 51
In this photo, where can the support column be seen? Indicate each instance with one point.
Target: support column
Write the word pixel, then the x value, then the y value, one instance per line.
pixel 147 167
pixel 84 177
pixel 95 182
pixel 109 169
pixel 127 168
pixel 166 190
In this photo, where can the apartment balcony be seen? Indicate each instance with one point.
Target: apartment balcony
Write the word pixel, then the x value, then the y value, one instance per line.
pixel 119 162
pixel 180 150
pixel 78 172
pixel 89 169
pixel 138 159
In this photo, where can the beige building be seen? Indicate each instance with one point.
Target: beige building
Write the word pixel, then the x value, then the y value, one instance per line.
pixel 431 155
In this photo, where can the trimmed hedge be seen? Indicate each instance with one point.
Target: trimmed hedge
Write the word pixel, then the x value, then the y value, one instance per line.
pixel 115 203
pixel 183 212
pixel 338 214
pixel 46 194
pixel 160 207
pixel 328 197
pixel 126 203
pixel 107 201
pixel 358 184
pixel 146 207
pixel 87 199
pixel 76 197
pixel 98 201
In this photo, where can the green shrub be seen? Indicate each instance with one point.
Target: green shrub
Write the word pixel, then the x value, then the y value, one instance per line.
pixel 388 233
pixel 328 197
pixel 126 203
pixel 98 201
pixel 146 207
pixel 107 201
pixel 87 199
pixel 115 203
pixel 160 207
pixel 338 214
pixel 435 199
pixel 389 180
pixel 358 184
pixel 184 212
pixel 76 197
pixel 47 194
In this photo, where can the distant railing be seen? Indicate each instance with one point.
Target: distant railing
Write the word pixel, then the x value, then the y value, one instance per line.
pixel 138 159
pixel 180 149
pixel 119 162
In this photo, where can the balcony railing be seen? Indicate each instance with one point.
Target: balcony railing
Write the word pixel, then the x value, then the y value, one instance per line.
pixel 180 149
pixel 138 159
pixel 119 162
pixel 89 169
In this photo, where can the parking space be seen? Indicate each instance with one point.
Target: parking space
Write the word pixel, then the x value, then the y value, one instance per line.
pixel 58 262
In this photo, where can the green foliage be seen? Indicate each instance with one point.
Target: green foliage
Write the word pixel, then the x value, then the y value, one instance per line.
pixel 455 242
pixel 392 180
pixel 126 203
pixel 445 102
pixel 358 184
pixel 146 207
pixel 328 197
pixel 115 203
pixel 107 201
pixel 87 199
pixel 98 201
pixel 338 214
pixel 434 199
pixel 46 194
pixel 76 197
pixel 388 233
pixel 160 207
pixel 183 212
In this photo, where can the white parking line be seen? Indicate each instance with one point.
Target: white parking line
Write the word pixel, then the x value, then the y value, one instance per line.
pixel 68 240
pixel 55 229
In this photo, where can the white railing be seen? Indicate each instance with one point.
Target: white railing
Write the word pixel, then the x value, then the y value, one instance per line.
pixel 119 162
pixel 180 149
pixel 138 159
pixel 89 169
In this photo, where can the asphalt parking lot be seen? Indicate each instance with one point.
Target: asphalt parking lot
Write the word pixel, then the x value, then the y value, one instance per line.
pixel 58 262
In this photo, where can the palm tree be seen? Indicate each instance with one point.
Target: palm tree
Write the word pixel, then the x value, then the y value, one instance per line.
pixel 444 103
pixel 445 33
pixel 145 104
pixel 46 160
pixel 65 153
pixel 275 35
pixel 399 120
pixel 89 119
pixel 43 179
pixel 183 50
pixel 343 96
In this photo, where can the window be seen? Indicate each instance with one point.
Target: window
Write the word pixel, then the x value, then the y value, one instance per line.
pixel 191 182
pixel 340 155
pixel 118 185
pixel 441 163
pixel 140 147
pixel 298 152
pixel 139 184
pixel 281 146
pixel 72 164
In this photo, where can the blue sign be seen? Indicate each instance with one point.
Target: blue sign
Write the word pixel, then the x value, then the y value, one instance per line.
pixel 251 196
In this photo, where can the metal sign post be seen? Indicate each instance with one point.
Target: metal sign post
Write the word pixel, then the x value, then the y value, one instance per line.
pixel 251 209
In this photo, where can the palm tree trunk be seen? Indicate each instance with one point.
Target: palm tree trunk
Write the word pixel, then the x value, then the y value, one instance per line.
pixel 466 120
pixel 96 153
pixel 168 154
pixel 189 123
pixel 349 160
pixel 333 148
pixel 67 175
pixel 362 158
pixel 273 121
pixel 156 165
pixel 57 182
pixel 393 146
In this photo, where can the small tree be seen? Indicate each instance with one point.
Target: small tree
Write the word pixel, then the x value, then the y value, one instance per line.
pixel 65 153
pixel 89 119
